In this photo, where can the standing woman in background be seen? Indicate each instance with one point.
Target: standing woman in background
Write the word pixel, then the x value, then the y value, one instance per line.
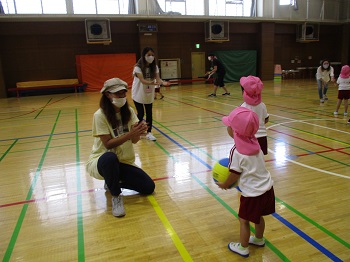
pixel 146 77
pixel 324 74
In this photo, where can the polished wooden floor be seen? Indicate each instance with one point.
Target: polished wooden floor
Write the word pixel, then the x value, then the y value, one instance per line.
pixel 51 210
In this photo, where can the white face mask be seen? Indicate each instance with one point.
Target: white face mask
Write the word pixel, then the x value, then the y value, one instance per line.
pixel 325 66
pixel 149 59
pixel 119 102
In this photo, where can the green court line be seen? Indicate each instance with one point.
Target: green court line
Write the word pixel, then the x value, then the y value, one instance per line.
pixel 190 143
pixel 42 109
pixel 324 230
pixel 271 246
pixel 19 223
pixel 81 247
pixel 283 203
pixel 319 155
pixel 252 229
pixel 316 135
pixel 8 150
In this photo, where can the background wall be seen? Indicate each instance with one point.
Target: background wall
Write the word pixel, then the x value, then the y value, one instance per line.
pixel 46 50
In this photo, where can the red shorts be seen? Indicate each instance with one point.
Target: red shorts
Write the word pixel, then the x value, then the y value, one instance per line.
pixel 252 208
pixel 343 94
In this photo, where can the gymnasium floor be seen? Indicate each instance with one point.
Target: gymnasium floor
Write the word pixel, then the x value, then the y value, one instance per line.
pixel 51 210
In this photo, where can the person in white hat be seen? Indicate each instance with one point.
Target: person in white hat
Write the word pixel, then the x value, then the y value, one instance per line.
pixel 247 165
pixel 115 129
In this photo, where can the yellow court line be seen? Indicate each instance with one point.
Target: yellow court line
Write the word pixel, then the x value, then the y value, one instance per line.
pixel 180 247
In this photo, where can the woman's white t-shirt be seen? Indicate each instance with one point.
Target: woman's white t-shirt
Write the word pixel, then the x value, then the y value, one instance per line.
pixel 325 75
pixel 143 94
pixel 101 126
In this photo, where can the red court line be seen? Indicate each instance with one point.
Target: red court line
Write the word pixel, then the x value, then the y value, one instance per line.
pixel 310 142
pixel 28 113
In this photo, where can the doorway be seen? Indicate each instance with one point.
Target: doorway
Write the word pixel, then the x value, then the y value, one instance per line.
pixel 198 64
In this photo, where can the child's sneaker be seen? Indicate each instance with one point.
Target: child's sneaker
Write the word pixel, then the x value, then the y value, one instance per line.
pixel 345 113
pixel 335 113
pixel 325 97
pixel 257 242
pixel 321 100
pixel 226 94
pixel 212 95
pixel 237 248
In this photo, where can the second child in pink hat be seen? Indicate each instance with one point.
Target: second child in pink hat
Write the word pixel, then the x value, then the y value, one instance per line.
pixel 252 88
pixel 247 165
pixel 343 83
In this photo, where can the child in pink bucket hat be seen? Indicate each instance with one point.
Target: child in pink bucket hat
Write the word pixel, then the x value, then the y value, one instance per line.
pixel 343 83
pixel 252 88
pixel 247 164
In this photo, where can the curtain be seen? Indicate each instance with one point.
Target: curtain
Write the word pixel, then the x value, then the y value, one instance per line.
pixel 132 7
pixel 253 9
pixel 2 11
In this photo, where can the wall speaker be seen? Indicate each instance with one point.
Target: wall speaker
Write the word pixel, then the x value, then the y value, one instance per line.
pixel 216 31
pixel 98 31
pixel 307 33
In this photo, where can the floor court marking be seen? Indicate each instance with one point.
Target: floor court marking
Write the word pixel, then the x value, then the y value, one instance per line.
pixel 172 233
pixel 295 229
pixel 303 165
pixel 293 121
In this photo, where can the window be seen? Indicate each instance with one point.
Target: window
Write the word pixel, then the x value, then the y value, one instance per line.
pixel 285 2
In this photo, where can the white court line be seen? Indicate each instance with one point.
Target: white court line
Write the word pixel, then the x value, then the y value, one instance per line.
pixel 303 165
pixel 293 121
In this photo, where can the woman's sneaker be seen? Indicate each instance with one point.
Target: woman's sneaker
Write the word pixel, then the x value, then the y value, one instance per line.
pixel 226 94
pixel 151 137
pixel 257 242
pixel 118 206
pixel 237 248
pixel 212 95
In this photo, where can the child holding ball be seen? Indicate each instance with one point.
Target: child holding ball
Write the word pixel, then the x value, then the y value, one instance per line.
pixel 247 164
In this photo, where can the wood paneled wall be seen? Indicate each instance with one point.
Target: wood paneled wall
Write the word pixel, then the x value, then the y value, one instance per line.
pixel 46 49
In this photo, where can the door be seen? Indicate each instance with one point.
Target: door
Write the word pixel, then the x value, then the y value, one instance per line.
pixel 198 64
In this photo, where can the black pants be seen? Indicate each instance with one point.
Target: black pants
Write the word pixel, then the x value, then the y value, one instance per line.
pixel 141 112
pixel 118 175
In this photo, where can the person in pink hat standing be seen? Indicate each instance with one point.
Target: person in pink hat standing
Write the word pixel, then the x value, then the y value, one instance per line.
pixel 343 83
pixel 247 165
pixel 252 88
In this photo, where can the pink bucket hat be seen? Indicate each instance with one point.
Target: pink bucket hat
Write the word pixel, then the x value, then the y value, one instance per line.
pixel 345 72
pixel 245 123
pixel 252 86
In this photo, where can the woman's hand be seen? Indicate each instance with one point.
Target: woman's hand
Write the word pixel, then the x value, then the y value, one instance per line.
pixel 138 129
